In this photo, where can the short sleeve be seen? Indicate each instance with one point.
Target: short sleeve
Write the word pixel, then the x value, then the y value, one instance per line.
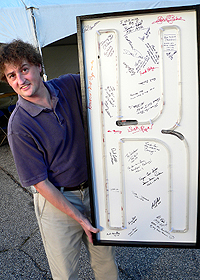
pixel 28 159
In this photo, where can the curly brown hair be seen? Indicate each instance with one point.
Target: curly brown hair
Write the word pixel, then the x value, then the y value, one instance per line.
pixel 15 52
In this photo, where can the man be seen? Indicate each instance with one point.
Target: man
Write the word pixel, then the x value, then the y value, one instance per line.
pixel 46 136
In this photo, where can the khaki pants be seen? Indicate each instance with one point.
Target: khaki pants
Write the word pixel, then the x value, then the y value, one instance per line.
pixel 62 238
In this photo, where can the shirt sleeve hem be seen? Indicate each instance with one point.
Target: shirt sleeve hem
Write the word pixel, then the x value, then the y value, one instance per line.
pixel 35 180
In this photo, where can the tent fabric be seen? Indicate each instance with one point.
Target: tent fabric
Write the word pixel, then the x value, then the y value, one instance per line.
pixel 56 19
pixel 14 24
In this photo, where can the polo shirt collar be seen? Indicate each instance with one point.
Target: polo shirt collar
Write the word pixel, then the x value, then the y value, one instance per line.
pixel 34 109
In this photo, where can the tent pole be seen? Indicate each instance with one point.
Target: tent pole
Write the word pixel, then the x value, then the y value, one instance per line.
pixel 37 41
pixel 33 20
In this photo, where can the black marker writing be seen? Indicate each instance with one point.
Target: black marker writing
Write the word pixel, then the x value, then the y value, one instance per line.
pixel 129 69
pixel 133 220
pixel 146 34
pixel 158 225
pixel 132 156
pixel 89 27
pixel 142 108
pixel 133 231
pixel 142 198
pixel 134 53
pixel 113 155
pixel 155 203
pixel 153 54
pixel 132 25
pixel 107 46
pixel 171 54
pixel 151 177
pixel 139 166
pixel 109 99
pixel 151 147
pixel 115 234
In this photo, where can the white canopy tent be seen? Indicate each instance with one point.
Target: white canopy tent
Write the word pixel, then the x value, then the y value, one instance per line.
pixel 43 22
pixel 56 19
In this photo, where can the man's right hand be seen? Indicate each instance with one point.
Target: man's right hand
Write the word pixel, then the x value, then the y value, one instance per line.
pixel 57 199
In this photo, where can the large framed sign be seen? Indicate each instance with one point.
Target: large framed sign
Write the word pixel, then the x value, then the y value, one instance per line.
pixel 139 73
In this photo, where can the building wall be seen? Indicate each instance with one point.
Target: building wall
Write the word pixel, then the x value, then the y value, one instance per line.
pixel 60 60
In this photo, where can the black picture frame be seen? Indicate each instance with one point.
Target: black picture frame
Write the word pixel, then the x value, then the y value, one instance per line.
pixel 80 20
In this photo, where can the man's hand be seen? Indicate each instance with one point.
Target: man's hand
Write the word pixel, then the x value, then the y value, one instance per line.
pixel 57 199
pixel 88 228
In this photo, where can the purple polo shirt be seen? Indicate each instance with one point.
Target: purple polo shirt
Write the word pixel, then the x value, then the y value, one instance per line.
pixel 50 143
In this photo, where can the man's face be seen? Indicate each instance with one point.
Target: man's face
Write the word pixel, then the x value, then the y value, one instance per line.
pixel 25 79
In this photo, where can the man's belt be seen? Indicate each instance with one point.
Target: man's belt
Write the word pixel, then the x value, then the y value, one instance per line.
pixel 82 186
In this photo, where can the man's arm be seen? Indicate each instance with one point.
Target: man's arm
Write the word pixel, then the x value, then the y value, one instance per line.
pixel 57 199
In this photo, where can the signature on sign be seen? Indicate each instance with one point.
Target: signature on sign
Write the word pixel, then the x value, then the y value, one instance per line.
pixel 169 19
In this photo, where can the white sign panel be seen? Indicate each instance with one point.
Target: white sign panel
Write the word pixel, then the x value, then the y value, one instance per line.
pixel 140 73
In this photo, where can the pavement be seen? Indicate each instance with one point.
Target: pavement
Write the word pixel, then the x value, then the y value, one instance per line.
pixel 22 254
